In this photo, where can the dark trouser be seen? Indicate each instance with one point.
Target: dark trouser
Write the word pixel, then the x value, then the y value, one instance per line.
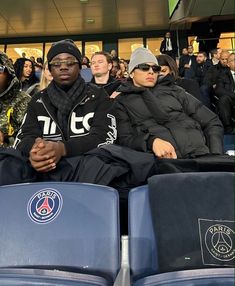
pixel 171 54
pixel 226 110
pixel 205 94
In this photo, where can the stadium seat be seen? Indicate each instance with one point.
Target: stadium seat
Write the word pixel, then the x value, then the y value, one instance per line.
pixel 198 277
pixel 86 74
pixel 71 227
pixel 229 141
pixel 39 277
pixel 147 244
pixel 142 243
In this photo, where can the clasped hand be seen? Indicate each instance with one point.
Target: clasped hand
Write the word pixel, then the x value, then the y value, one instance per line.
pixel 44 155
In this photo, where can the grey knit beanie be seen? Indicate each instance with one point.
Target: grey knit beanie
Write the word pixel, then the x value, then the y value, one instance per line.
pixel 141 56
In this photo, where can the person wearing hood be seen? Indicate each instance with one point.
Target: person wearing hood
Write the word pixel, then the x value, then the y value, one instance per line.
pixel 155 115
pixel 13 102
pixel 25 72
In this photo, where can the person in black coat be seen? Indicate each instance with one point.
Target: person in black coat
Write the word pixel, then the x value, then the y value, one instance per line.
pixel 169 46
pixel 198 73
pixel 169 66
pixel 224 90
pixel 155 115
pixel 214 71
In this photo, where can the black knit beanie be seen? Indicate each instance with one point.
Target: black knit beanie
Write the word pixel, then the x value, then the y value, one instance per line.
pixel 64 46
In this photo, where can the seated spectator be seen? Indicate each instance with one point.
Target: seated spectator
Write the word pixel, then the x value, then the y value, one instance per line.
pixel 119 70
pixel 212 75
pixel 46 77
pixel 25 72
pixel 224 90
pixel 215 56
pixel 39 61
pixel 32 58
pixel 198 73
pixel 190 63
pixel 13 102
pixel 63 121
pixel 85 62
pixel 101 66
pixel 114 55
pixel 115 69
pixel 45 80
pixel 168 66
pixel 155 115
pixel 214 71
pixel 183 61
pixel 123 69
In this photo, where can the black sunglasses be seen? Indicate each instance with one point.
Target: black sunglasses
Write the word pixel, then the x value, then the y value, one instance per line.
pixel 146 67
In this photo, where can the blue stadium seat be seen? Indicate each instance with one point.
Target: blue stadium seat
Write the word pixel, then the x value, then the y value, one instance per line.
pixel 144 245
pixel 65 226
pixel 86 74
pixel 229 141
pixel 198 277
pixel 39 277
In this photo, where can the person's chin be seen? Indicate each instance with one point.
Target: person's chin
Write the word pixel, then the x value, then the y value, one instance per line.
pixel 149 84
pixel 64 84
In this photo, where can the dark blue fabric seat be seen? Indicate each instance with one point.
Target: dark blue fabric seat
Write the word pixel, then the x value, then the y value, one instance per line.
pixel 154 234
pixel 72 227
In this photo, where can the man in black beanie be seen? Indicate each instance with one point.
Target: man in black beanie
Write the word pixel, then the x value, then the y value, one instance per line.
pixel 66 119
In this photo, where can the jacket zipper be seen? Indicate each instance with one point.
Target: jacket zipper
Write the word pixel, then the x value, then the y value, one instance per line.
pixel 72 112
pixel 62 135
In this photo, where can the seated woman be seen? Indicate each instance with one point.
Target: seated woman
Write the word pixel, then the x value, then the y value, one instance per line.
pixel 25 72
pixel 45 80
pixel 155 115
pixel 169 66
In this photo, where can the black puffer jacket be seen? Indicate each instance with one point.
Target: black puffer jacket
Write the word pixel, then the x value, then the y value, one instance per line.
pixel 167 112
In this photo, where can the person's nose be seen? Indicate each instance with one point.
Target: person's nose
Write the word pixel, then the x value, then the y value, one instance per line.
pixel 63 66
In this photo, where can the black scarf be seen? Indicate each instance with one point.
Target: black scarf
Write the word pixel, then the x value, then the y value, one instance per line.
pixel 64 101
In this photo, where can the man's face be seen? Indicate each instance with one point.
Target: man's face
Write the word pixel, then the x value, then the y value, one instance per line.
pixel 113 53
pixel 231 62
pixel 190 49
pixel 185 51
pixel 200 58
pixel 168 35
pixel 217 54
pixel 64 69
pixel 100 66
pixel 224 58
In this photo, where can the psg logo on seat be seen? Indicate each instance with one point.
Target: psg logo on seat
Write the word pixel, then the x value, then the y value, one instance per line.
pixel 44 206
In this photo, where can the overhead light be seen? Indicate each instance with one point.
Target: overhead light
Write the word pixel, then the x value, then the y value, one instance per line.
pixel 84 1
pixel 90 21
